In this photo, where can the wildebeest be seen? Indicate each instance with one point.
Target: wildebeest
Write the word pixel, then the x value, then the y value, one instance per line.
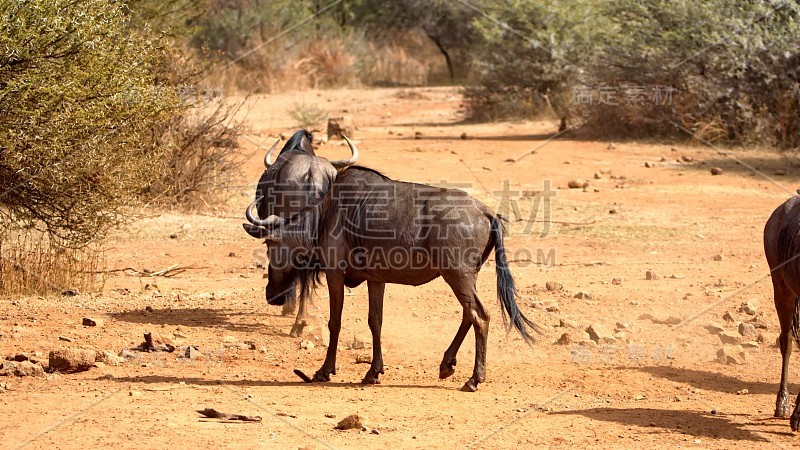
pixel 374 229
pixel 298 178
pixel 782 248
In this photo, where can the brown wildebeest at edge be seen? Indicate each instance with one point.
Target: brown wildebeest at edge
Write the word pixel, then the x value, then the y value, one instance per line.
pixel 371 228
pixel 782 248
pixel 297 179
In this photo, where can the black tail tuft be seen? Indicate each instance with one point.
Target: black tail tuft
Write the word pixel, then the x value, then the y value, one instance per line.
pixel 796 321
pixel 506 291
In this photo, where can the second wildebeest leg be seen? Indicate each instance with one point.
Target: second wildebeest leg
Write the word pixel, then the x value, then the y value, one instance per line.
pixel 301 321
pixel 463 286
pixel 448 365
pixel 785 306
pixel 336 293
pixel 375 320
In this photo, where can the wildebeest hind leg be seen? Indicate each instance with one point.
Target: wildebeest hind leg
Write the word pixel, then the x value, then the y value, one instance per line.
pixel 448 365
pixel 336 293
pixel 302 318
pixel 785 306
pixel 375 320
pixel 464 288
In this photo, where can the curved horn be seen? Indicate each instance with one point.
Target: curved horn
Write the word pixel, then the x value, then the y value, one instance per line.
pixel 268 156
pixel 270 222
pixel 341 164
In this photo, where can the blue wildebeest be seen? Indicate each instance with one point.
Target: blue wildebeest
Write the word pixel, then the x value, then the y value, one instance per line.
pixel 782 248
pixel 297 179
pixel 374 229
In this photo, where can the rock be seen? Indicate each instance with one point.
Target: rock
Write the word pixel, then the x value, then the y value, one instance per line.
pixel 729 317
pixel 742 392
pixel 173 236
pixel 611 146
pixel 364 358
pixel 554 286
pixel 72 360
pixel 717 257
pixel 600 334
pixel 127 354
pixel 417 135
pixel 69 292
pixel 716 171
pixel 651 275
pixel 307 345
pixel 193 353
pixel 359 343
pixel 231 254
pixel 572 337
pixel 622 326
pixel 616 281
pixel 463 135
pixel 686 158
pixel 749 307
pixel 751 344
pixel 732 355
pixel 549 305
pixel 597 176
pixel 583 295
pixel 65 338
pixel 747 329
pixel 21 369
pixel 669 320
pixel 713 328
pixel 92 322
pixel 729 337
pixel 229 339
pixel 330 415
pixel 351 422
pixel 109 358
pixel 578 184
pixel 376 431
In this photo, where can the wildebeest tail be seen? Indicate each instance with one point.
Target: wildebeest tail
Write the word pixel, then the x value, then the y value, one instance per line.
pixel 506 290
pixel 796 321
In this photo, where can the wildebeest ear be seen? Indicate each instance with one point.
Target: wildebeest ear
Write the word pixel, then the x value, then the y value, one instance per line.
pixel 258 232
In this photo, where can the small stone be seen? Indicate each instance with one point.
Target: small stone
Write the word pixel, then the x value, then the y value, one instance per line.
pixel 549 306
pixel 583 295
pixel 65 338
pixel 359 343
pixel 622 326
pixel 173 236
pixel 26 369
pixel 572 337
pixel 330 415
pixel 714 328
pixel 612 211
pixel 732 355
pixel 597 176
pixel 417 135
pixel 729 317
pixel 578 184
pixel 648 165
pixel 742 392
pixel 351 422
pixel 307 345
pixel 686 158
pixel 375 431
pixel 600 334
pixel 463 135
pixel 780 172
pixel 750 307
pixel 72 360
pixel 69 292
pixel 364 358
pixel 92 322
pixel 651 275
pixel 729 337
pixel 751 345
pixel 718 257
pixel 616 281
pixel 716 171
pixel 232 255
pixel 134 394
pixel 229 339
pixel 554 286
pixel 193 353
pixel 109 358
pixel 127 354
pixel 747 329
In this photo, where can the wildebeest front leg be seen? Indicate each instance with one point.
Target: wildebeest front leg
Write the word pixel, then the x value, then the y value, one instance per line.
pixel 302 318
pixel 335 282
pixel 375 320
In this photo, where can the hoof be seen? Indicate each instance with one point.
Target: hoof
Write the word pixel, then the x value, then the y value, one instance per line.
pixel 795 420
pixel 321 376
pixel 469 386
pixel 782 405
pixel 370 379
pixel 447 369
pixel 297 329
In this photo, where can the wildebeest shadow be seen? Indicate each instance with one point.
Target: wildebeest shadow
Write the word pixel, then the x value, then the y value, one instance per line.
pixel 156 379
pixel 694 423
pixel 714 381
pixel 220 318
pixel 778 167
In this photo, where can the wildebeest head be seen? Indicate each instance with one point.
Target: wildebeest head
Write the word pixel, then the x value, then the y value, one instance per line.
pixel 301 141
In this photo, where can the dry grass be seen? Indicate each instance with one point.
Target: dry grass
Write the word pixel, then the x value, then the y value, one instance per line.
pixel 31 265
